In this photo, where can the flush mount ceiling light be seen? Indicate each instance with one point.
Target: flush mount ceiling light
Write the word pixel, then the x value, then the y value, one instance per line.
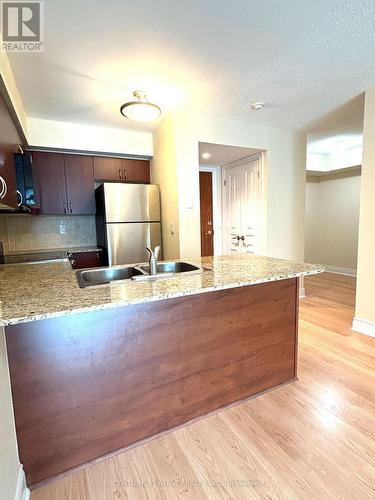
pixel 140 110
pixel 257 105
pixel 205 156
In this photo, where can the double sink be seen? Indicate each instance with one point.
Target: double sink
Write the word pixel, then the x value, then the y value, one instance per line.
pixel 139 272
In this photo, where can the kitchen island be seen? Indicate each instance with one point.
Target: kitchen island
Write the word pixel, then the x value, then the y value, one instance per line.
pixel 96 370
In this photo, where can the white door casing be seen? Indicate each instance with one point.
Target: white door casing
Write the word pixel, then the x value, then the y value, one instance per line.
pixel 243 207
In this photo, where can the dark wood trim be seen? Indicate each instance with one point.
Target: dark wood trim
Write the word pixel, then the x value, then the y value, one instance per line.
pixel 86 385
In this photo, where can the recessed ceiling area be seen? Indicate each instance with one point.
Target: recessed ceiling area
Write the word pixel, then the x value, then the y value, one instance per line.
pixel 335 141
pixel 213 57
pixel 221 154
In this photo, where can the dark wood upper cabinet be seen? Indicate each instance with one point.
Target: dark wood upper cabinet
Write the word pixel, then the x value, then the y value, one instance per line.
pixel 65 183
pixel 107 169
pixel 8 184
pixel 49 176
pixel 136 170
pixel 117 169
pixel 79 175
pixel 9 138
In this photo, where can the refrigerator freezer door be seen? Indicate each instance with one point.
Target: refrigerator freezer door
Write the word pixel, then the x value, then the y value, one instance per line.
pixel 127 242
pixel 131 202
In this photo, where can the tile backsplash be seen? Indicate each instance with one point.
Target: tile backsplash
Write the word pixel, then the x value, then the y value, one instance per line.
pixel 25 232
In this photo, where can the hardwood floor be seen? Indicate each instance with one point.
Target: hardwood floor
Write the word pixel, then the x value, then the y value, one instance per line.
pixel 314 438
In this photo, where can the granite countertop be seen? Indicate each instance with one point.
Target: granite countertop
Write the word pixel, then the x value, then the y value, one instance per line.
pixel 29 292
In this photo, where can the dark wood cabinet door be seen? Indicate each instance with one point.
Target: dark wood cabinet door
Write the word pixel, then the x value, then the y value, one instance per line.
pixel 108 169
pixel 9 138
pixel 8 184
pixel 49 172
pixel 79 173
pixel 85 260
pixel 136 170
pixel 206 209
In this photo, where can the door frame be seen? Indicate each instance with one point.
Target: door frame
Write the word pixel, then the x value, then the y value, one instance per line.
pixel 216 206
pixel 261 157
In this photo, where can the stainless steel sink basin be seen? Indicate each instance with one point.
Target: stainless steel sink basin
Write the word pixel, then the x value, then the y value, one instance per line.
pixel 171 267
pixel 92 277
pixel 141 272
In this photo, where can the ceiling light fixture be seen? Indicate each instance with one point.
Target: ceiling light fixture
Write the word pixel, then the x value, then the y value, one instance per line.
pixel 205 156
pixel 257 105
pixel 140 110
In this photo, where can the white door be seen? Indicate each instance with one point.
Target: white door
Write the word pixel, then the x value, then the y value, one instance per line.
pixel 242 208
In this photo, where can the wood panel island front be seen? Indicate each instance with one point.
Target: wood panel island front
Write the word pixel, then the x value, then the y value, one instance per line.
pixel 97 370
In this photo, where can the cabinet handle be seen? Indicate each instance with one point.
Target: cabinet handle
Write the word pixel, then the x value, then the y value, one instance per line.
pixel 70 206
pixel 21 198
pixel 64 207
pixel 3 188
pixel 125 172
pixel 119 174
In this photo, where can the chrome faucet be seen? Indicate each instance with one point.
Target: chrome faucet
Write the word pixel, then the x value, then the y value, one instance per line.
pixel 153 260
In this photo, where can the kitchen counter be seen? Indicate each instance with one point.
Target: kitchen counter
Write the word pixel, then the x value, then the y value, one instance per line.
pixel 120 363
pixel 30 292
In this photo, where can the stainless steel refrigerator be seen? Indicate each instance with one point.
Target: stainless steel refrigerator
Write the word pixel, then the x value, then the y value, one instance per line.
pixel 127 219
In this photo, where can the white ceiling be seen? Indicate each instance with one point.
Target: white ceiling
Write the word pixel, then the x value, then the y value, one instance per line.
pixel 302 58
pixel 221 154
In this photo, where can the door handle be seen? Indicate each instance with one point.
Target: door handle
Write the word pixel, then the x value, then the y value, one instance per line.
pixel 236 238
pixel 125 173
pixel 241 238
pixel 208 233
pixel 64 207
pixel 120 174
pixel 70 206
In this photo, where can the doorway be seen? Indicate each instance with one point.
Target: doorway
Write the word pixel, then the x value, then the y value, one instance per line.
pixel 206 209
pixel 217 160
pixel 243 207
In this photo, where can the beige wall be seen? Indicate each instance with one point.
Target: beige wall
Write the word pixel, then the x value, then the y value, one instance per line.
pixel 23 232
pixel 332 218
pixel 284 179
pixel 164 173
pixel 9 462
pixel 365 300
pixel 175 167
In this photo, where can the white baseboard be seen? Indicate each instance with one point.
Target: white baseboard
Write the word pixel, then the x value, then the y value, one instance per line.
pixel 363 326
pixel 22 491
pixel 348 271
pixel 302 293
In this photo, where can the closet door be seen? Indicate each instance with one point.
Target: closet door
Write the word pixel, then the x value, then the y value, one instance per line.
pixel 250 208
pixel 242 209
